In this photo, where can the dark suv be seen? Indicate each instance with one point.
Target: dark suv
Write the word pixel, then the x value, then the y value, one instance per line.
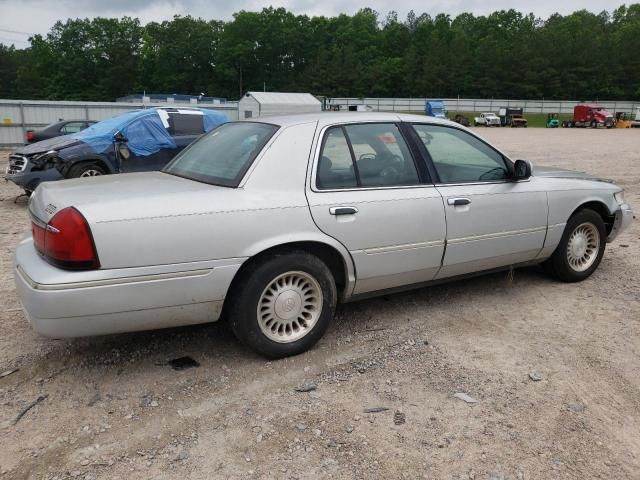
pixel 136 141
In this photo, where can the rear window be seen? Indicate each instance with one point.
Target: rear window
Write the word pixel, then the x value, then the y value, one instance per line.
pixel 186 123
pixel 222 156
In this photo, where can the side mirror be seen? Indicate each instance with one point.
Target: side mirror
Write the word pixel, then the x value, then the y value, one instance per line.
pixel 124 151
pixel 521 170
pixel 119 137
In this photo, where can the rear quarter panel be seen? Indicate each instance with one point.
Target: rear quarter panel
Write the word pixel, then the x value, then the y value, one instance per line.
pixel 268 209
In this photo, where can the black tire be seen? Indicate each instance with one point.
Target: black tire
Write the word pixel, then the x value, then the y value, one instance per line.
pixel 248 291
pixel 558 264
pixel 594 124
pixel 84 169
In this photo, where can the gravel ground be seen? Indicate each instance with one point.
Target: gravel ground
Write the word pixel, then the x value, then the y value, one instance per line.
pixel 112 408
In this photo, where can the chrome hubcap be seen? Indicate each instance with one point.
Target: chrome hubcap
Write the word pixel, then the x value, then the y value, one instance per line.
pixel 583 246
pixel 289 307
pixel 90 173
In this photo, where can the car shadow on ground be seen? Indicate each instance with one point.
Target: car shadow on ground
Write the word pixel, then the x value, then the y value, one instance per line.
pixel 215 343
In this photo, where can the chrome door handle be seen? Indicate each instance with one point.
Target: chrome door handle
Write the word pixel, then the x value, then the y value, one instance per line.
pixel 343 210
pixel 458 201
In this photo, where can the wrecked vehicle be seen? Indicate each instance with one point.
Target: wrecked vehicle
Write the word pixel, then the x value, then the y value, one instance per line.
pixel 136 141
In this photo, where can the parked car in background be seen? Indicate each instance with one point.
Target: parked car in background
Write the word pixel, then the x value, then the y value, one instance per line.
pixel 435 108
pixel 487 119
pixel 462 120
pixel 636 123
pixel 517 120
pixel 512 117
pixel 552 120
pixel 275 221
pixel 62 127
pixel 140 140
pixel 624 120
pixel 590 115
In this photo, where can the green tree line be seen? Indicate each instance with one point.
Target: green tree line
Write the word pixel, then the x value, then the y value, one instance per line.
pixel 506 54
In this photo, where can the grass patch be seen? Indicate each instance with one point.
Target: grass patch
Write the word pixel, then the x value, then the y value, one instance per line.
pixel 536 120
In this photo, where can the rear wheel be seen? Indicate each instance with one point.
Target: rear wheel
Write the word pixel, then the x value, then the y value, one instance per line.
pixel 283 305
pixel 581 248
pixel 594 124
pixel 85 170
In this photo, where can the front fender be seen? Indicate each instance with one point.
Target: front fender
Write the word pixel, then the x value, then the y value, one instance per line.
pixel 565 199
pixel 82 152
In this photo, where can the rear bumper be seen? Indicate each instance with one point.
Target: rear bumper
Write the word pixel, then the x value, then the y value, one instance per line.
pixel 61 303
pixel 623 218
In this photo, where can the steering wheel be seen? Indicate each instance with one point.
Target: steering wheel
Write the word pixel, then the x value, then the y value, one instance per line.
pixel 491 174
pixel 389 174
pixel 392 172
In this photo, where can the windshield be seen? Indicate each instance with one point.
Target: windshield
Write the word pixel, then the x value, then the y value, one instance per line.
pixel 222 156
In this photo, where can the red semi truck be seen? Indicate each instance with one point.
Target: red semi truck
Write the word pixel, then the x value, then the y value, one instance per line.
pixel 590 115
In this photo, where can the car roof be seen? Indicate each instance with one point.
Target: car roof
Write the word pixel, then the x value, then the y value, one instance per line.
pixel 329 118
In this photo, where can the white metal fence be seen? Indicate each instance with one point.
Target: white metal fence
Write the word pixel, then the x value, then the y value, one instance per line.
pixel 18 116
pixel 479 105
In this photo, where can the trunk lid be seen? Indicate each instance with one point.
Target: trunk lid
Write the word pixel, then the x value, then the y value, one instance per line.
pixel 125 196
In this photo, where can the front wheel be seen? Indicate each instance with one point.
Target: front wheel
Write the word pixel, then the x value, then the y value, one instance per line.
pixel 283 305
pixel 581 248
pixel 82 170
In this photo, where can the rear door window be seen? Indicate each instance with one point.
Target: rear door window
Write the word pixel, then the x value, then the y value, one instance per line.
pixel 335 167
pixel 365 155
pixel 73 127
pixel 181 124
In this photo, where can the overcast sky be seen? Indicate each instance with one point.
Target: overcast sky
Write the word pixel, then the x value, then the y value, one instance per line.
pixel 20 18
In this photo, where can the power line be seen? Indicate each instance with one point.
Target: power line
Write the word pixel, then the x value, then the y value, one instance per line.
pixel 16 31
pixel 13 40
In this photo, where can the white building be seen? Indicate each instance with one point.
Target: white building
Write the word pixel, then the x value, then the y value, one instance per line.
pixel 260 104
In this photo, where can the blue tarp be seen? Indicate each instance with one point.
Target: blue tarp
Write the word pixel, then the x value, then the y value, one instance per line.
pixel 144 130
pixel 212 119
pixel 147 135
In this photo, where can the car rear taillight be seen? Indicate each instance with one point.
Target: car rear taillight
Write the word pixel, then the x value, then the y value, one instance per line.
pixel 66 241
pixel 29 135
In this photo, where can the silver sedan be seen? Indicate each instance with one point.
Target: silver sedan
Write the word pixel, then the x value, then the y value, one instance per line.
pixel 272 222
